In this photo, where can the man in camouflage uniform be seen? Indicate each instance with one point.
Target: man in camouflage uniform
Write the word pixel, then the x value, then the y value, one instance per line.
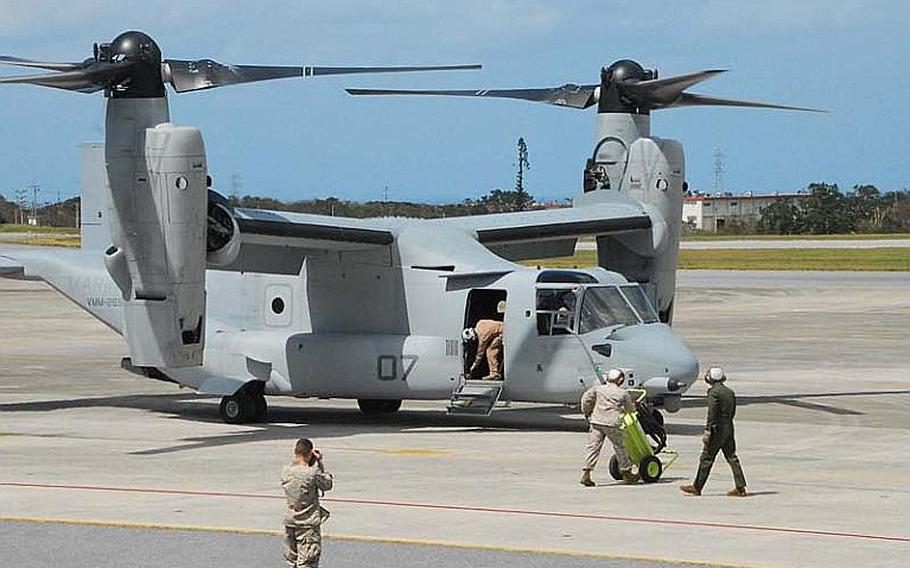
pixel 718 435
pixel 304 480
pixel 602 405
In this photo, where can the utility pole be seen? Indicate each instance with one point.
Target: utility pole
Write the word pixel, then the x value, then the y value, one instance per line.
pixel 719 170
pixel 20 201
pixel 385 201
pixel 236 184
pixel 521 196
pixel 34 217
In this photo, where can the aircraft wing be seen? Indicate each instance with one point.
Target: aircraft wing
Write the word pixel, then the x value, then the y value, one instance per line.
pixel 277 241
pixel 552 232
pixel 311 231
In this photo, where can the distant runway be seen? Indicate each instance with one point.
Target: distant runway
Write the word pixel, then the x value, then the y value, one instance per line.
pixel 780 244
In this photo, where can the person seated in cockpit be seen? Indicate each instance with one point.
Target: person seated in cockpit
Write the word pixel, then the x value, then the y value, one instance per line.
pixel 489 345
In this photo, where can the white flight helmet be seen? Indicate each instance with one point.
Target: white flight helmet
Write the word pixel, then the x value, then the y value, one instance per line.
pixel 616 376
pixel 715 375
pixel 469 334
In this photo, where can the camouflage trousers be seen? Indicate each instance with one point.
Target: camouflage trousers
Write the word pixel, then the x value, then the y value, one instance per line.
pixel 302 546
pixel 596 436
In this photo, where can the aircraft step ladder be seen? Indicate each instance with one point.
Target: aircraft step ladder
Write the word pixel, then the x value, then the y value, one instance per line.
pixel 475 397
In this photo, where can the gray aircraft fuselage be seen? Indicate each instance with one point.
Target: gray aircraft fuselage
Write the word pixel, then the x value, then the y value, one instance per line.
pixel 387 325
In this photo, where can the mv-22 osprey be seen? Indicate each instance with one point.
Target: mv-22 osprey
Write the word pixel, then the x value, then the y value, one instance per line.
pixel 244 303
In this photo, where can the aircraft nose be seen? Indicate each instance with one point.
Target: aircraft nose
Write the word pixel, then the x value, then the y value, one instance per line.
pixel 682 364
pixel 654 351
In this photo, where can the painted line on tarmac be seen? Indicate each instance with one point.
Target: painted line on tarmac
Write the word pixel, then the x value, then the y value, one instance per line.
pixel 473 509
pixel 362 538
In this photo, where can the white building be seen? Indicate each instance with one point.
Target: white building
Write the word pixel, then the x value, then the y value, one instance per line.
pixel 714 212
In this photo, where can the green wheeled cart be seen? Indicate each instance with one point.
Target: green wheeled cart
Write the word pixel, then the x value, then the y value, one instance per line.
pixel 647 450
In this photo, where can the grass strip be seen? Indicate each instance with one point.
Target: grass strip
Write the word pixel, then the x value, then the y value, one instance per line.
pixel 871 259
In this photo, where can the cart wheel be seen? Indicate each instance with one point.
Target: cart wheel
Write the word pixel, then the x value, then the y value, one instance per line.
pixel 614 468
pixel 658 417
pixel 650 469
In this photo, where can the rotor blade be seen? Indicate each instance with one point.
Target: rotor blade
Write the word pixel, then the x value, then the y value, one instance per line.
pixel 78 81
pixel 665 91
pixel 188 76
pixel 690 99
pixel 573 96
pixel 319 71
pixel 20 62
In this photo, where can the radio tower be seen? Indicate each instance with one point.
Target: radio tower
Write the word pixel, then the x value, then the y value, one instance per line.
pixel 719 170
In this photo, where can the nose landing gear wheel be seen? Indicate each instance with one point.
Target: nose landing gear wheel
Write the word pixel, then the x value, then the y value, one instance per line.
pixel 650 469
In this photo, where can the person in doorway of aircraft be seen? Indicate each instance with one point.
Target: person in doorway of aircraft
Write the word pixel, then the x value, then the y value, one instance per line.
pixel 602 405
pixel 303 481
pixel 489 345
pixel 719 435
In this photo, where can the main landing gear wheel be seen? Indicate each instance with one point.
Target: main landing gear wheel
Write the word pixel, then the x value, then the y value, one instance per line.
pixel 614 468
pixel 378 407
pixel 235 409
pixel 261 408
pixel 243 407
pixel 650 469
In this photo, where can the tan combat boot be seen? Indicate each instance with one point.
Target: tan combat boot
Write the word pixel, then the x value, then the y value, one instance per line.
pixel 690 490
pixel 586 478
pixel 629 478
pixel 737 492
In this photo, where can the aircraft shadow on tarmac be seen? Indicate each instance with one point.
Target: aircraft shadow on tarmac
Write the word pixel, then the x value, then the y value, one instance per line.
pixel 287 422
pixel 802 401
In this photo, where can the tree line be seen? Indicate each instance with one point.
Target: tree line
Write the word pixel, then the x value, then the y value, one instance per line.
pixel 63 214
pixel 828 211
pixel 825 210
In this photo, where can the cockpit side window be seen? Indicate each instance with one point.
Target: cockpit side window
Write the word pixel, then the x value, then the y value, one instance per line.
pixel 604 307
pixel 640 302
pixel 555 305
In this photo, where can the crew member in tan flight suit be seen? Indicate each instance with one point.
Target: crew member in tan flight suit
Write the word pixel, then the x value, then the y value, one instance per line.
pixel 489 345
pixel 602 405
pixel 304 480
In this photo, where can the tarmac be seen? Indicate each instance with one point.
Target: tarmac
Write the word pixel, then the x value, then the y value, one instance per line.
pixel 820 363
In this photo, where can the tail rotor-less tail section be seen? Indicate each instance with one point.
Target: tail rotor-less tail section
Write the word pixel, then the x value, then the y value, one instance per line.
pixel 625 87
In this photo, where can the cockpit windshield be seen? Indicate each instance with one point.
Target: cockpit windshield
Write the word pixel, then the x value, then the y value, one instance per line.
pixel 604 307
pixel 640 302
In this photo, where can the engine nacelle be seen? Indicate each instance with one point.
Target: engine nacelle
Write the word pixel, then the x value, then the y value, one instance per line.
pixel 157 219
pixel 628 163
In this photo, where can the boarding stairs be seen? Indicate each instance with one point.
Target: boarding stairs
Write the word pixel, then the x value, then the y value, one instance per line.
pixel 475 397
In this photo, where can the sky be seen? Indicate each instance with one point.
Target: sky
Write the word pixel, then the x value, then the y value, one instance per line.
pixel 306 138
